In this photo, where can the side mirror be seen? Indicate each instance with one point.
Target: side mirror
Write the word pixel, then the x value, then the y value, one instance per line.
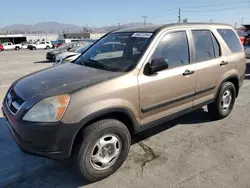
pixel 156 65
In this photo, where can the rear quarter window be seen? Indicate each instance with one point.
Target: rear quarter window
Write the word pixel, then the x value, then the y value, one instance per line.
pixel 231 40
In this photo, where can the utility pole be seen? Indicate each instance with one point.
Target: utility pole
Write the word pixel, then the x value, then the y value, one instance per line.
pixel 211 20
pixel 235 25
pixel 145 20
pixel 179 16
pixel 119 25
pixel 242 20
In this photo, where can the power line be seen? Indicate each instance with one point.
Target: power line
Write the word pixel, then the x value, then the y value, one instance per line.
pixel 215 10
pixel 216 5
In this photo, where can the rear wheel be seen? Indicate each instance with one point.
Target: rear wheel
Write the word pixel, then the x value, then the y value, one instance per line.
pixel 224 102
pixel 103 150
pixel 33 48
pixel 17 48
pixel 47 47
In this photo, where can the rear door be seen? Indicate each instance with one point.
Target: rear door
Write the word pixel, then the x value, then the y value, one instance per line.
pixel 210 65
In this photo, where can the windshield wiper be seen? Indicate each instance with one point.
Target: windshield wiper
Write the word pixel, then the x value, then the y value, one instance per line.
pixel 90 62
pixel 96 62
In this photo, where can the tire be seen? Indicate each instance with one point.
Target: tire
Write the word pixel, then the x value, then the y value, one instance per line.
pixel 47 48
pixel 102 130
pixel 17 48
pixel 219 109
pixel 33 48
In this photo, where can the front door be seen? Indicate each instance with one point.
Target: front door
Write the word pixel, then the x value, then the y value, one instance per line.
pixel 171 90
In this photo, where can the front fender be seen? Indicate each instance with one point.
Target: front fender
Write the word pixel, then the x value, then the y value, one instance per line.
pixel 104 106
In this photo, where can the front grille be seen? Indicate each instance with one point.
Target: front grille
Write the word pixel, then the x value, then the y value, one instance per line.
pixel 13 102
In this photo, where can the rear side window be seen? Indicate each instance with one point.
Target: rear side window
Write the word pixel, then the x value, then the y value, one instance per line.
pixel 203 43
pixel 231 39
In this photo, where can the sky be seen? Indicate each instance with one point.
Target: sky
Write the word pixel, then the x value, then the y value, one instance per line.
pixel 97 13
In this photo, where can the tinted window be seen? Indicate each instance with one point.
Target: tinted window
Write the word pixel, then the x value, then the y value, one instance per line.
pixel 174 48
pixel 231 39
pixel 204 49
pixel 115 51
pixel 217 51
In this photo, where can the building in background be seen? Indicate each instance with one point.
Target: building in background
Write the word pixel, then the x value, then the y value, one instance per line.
pixel 80 36
pixel 67 37
pixel 96 36
pixel 19 38
pixel 42 37
pixel 14 38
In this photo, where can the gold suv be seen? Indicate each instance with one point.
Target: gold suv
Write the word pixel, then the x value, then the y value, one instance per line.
pixel 129 80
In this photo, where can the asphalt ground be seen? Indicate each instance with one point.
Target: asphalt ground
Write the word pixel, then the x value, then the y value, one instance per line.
pixel 191 151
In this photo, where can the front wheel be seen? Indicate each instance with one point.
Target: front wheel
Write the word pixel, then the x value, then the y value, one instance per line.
pixel 224 103
pixel 47 48
pixel 103 150
pixel 17 48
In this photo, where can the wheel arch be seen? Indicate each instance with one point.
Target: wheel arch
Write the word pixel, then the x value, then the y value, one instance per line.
pixel 119 113
pixel 233 79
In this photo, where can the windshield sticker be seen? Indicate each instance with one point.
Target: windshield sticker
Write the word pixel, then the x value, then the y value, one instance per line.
pixel 142 35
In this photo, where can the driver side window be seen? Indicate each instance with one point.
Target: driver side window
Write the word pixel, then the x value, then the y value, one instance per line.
pixel 174 49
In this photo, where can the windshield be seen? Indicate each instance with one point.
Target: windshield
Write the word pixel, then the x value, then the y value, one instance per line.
pixel 116 51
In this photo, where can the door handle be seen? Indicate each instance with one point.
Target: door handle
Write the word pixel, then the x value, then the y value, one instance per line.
pixel 223 63
pixel 188 72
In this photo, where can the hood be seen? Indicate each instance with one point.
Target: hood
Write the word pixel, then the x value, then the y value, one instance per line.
pixel 55 51
pixel 65 55
pixel 59 80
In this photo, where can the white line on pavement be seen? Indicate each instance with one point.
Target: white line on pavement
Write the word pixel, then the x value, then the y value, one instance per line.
pixel 5 85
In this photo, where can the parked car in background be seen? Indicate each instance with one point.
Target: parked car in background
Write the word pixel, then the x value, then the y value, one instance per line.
pixel 241 35
pixel 247 51
pixel 24 45
pixel 1 48
pixel 66 57
pixel 89 109
pixel 72 46
pixel 57 43
pixel 11 46
pixel 40 45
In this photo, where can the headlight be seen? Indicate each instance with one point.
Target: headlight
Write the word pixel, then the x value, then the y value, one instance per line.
pixel 48 110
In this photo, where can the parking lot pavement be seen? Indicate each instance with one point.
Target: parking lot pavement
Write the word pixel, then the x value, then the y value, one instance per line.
pixel 192 151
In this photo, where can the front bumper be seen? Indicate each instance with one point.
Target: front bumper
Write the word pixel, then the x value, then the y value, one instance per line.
pixel 54 140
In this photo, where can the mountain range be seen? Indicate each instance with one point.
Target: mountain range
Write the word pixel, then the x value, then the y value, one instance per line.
pixel 55 27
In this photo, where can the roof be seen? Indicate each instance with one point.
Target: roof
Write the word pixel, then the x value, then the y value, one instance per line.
pixel 154 28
